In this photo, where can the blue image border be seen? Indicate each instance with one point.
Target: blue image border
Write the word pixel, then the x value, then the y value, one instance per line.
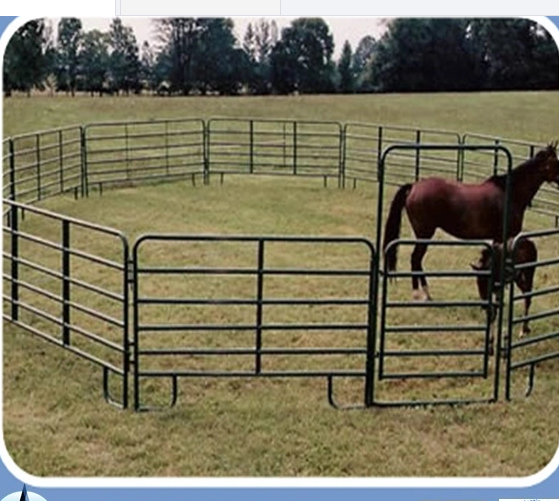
pixel 547 489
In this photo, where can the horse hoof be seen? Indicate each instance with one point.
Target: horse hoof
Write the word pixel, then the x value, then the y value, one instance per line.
pixel 416 295
pixel 524 332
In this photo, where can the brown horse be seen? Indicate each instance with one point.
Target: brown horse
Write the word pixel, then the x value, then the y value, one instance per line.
pixel 525 252
pixel 466 211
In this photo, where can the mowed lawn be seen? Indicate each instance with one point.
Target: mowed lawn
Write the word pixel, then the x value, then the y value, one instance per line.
pixel 55 421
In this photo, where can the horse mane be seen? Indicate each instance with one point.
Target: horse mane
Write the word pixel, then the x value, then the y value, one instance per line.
pixel 500 180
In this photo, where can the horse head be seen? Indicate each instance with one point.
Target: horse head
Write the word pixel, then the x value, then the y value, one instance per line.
pixel 483 262
pixel 549 163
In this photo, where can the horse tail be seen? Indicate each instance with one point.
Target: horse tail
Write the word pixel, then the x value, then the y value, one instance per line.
pixel 393 223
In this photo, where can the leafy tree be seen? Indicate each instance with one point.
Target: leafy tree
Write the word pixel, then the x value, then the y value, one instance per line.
pixel 302 59
pixel 94 57
pixel 258 43
pixel 50 55
pixel 217 62
pixel 515 54
pixel 25 60
pixel 249 43
pixel 362 62
pixel 68 44
pixel 149 70
pixel 124 59
pixel 545 61
pixel 201 54
pixel 266 36
pixel 345 71
pixel 179 38
pixel 425 55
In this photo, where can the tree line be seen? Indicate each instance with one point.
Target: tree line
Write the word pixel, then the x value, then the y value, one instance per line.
pixel 203 56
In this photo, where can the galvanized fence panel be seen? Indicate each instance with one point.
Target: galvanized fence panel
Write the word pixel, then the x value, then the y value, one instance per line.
pixel 65 281
pixel 42 164
pixel 450 355
pixel 541 343
pixel 240 306
pixel 77 297
pixel 480 165
pixel 128 152
pixel 274 147
pixel 364 144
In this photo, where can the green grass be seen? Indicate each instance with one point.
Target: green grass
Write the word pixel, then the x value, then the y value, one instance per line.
pixel 55 422
pixel 514 115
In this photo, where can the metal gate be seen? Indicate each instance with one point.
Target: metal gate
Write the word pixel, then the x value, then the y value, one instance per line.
pixel 420 348
pixel 454 357
pixel 233 306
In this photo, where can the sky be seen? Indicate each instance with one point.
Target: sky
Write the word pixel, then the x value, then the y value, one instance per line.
pixel 342 27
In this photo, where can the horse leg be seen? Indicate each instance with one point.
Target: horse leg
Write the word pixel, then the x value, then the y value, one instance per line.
pixel 491 340
pixel 416 259
pixel 492 316
pixel 525 282
pixel 415 295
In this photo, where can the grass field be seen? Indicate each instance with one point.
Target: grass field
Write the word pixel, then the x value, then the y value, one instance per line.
pixel 56 424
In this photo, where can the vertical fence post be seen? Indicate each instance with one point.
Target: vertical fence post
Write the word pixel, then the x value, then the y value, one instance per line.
pixel 135 327
pixel 417 155
pixel 84 173
pixel 341 175
pixel 251 146
pixel 166 147
pixel 259 306
pixel 66 282
pixel 15 262
pixel 127 153
pixel 371 331
pixel 207 150
pixel 509 332
pixel 496 158
pixel 12 170
pixel 38 165
pixel 505 262
pixel 379 152
pixel 461 159
pixel 295 148
pixel 61 160
pixel 128 281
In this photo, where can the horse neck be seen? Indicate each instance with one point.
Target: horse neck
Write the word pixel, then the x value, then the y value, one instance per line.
pixel 526 181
